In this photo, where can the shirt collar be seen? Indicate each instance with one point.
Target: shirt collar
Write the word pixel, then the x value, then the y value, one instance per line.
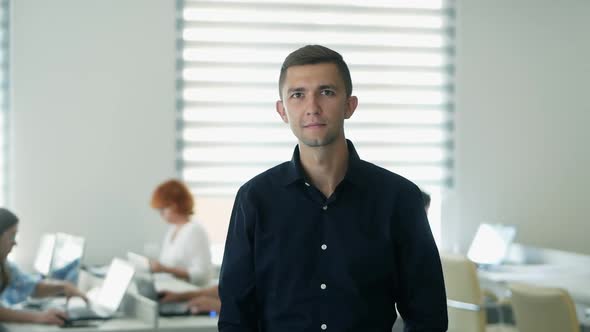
pixel 353 174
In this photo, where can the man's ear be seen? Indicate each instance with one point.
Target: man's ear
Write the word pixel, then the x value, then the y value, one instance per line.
pixel 351 105
pixel 281 111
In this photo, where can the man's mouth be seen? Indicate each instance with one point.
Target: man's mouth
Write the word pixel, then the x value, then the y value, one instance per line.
pixel 314 125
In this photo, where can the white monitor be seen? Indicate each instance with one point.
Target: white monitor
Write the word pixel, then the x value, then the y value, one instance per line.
pixel 491 243
pixel 67 253
pixel 44 255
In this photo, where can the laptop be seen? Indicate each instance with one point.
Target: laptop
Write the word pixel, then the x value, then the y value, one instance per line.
pixel 490 244
pixel 104 301
pixel 146 287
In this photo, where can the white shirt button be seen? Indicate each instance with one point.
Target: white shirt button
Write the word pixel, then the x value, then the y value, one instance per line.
pixel 307 184
pixel 324 327
pixel 325 207
pixel 323 286
pixel 324 247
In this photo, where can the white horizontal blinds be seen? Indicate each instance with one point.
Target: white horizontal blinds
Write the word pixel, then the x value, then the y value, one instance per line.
pixel 4 101
pixel 230 53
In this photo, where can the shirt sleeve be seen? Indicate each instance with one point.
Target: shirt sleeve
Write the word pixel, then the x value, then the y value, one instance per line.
pixel 420 291
pixel 198 254
pixel 237 288
pixel 20 286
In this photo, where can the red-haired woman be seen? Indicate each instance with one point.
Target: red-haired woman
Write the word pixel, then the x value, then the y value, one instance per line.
pixel 185 250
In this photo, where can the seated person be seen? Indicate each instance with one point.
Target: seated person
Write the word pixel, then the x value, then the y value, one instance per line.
pixel 426 199
pixel 16 286
pixel 202 300
pixel 185 249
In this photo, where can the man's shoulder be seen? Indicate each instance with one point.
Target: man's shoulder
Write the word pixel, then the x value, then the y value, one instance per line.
pixel 270 178
pixel 380 176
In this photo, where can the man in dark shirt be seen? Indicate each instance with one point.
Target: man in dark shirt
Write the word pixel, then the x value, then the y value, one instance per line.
pixel 327 241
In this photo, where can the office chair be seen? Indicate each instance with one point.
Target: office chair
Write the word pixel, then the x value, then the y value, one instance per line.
pixel 543 309
pixel 465 299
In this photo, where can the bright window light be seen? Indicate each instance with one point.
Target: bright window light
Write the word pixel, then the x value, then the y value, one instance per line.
pixel 400 55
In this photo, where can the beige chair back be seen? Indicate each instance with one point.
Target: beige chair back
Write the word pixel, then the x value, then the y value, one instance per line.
pixel 542 309
pixel 464 295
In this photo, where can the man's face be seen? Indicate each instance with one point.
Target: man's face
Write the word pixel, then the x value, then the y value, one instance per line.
pixel 315 103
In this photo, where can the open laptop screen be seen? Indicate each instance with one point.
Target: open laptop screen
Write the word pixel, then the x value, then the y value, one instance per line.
pixel 491 243
pixel 115 284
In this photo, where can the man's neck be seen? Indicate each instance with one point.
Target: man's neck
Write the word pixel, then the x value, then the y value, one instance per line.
pixel 325 166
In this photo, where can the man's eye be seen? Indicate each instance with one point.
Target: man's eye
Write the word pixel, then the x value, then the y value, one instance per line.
pixel 297 95
pixel 328 92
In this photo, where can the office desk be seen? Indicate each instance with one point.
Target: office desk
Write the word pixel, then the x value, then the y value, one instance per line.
pixel 182 324
pixel 136 314
pixel 577 285
pixel 547 268
pixel 139 314
pixel 542 267
pixel 188 324
pixel 118 325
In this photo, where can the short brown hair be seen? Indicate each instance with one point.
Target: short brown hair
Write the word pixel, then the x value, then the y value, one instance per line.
pixel 314 54
pixel 173 192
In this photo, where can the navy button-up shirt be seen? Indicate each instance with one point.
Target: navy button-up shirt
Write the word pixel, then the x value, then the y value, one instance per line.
pixel 298 261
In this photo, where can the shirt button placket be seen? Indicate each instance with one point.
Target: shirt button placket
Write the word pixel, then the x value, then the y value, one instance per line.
pixel 323 286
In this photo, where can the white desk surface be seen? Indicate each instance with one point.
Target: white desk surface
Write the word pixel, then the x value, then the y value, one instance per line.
pixel 172 324
pixel 118 325
pixel 131 324
pixel 188 324
pixel 574 279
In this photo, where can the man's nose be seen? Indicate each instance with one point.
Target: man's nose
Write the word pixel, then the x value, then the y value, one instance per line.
pixel 313 106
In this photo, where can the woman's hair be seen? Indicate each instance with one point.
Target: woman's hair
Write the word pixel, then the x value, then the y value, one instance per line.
pixel 7 220
pixel 173 192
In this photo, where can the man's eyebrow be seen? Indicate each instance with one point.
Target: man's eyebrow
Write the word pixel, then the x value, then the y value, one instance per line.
pixel 295 90
pixel 321 87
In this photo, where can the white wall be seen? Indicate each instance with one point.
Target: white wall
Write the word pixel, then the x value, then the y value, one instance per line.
pixel 523 111
pixel 93 105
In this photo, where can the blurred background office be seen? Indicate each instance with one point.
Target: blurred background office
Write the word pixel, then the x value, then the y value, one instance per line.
pixel 93 125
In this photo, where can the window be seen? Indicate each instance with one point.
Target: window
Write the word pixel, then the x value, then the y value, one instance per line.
pixel 230 51
pixel 4 100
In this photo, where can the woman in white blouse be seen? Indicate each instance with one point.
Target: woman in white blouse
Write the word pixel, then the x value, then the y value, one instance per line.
pixel 185 250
